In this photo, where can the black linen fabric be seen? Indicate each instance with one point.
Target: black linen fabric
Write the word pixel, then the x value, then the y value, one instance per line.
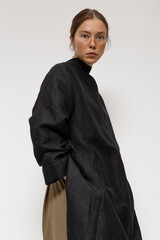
pixel 72 135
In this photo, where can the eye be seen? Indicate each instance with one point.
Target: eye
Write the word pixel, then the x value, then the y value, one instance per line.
pixel 84 36
pixel 100 37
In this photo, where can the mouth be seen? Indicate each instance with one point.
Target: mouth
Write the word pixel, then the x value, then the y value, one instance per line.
pixel 92 54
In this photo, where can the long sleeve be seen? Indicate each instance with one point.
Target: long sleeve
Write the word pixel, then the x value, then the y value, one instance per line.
pixel 49 124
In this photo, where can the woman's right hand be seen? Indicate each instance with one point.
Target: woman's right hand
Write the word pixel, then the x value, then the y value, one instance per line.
pixel 65 177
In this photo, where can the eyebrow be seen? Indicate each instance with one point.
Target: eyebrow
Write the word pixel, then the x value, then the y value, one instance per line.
pixel 89 32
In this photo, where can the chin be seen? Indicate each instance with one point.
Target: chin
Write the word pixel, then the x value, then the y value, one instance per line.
pixel 93 61
pixel 89 61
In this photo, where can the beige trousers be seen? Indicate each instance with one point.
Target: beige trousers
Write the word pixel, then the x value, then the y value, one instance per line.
pixel 54 225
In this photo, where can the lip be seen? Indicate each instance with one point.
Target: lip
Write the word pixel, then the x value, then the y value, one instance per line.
pixel 92 54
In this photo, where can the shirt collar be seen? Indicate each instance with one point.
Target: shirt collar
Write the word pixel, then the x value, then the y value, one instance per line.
pixel 84 66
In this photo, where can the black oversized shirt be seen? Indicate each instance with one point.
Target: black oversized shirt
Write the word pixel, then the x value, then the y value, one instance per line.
pixel 72 135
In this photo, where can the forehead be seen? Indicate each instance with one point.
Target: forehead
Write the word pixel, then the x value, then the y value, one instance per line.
pixel 92 25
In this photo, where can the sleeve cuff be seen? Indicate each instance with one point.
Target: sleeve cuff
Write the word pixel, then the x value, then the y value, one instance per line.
pixel 53 171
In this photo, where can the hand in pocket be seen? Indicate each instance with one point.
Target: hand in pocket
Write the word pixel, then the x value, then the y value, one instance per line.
pixel 64 178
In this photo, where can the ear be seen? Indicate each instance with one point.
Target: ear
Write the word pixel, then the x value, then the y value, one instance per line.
pixel 71 39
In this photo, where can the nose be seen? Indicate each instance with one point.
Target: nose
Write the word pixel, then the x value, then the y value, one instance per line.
pixel 92 43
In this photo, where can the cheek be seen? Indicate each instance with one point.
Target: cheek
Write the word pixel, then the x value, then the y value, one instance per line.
pixel 80 46
pixel 102 46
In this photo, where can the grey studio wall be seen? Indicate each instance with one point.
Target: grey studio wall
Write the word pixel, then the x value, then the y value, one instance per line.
pixel 35 36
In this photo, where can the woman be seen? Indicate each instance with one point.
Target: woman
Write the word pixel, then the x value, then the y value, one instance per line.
pixel 88 196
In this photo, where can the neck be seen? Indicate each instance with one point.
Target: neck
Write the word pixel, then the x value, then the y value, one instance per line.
pixel 83 61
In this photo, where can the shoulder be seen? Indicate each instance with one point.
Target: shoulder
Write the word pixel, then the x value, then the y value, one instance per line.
pixel 61 69
pixel 58 74
pixel 59 80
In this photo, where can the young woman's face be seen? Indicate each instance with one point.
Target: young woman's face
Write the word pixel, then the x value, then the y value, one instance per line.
pixel 90 40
